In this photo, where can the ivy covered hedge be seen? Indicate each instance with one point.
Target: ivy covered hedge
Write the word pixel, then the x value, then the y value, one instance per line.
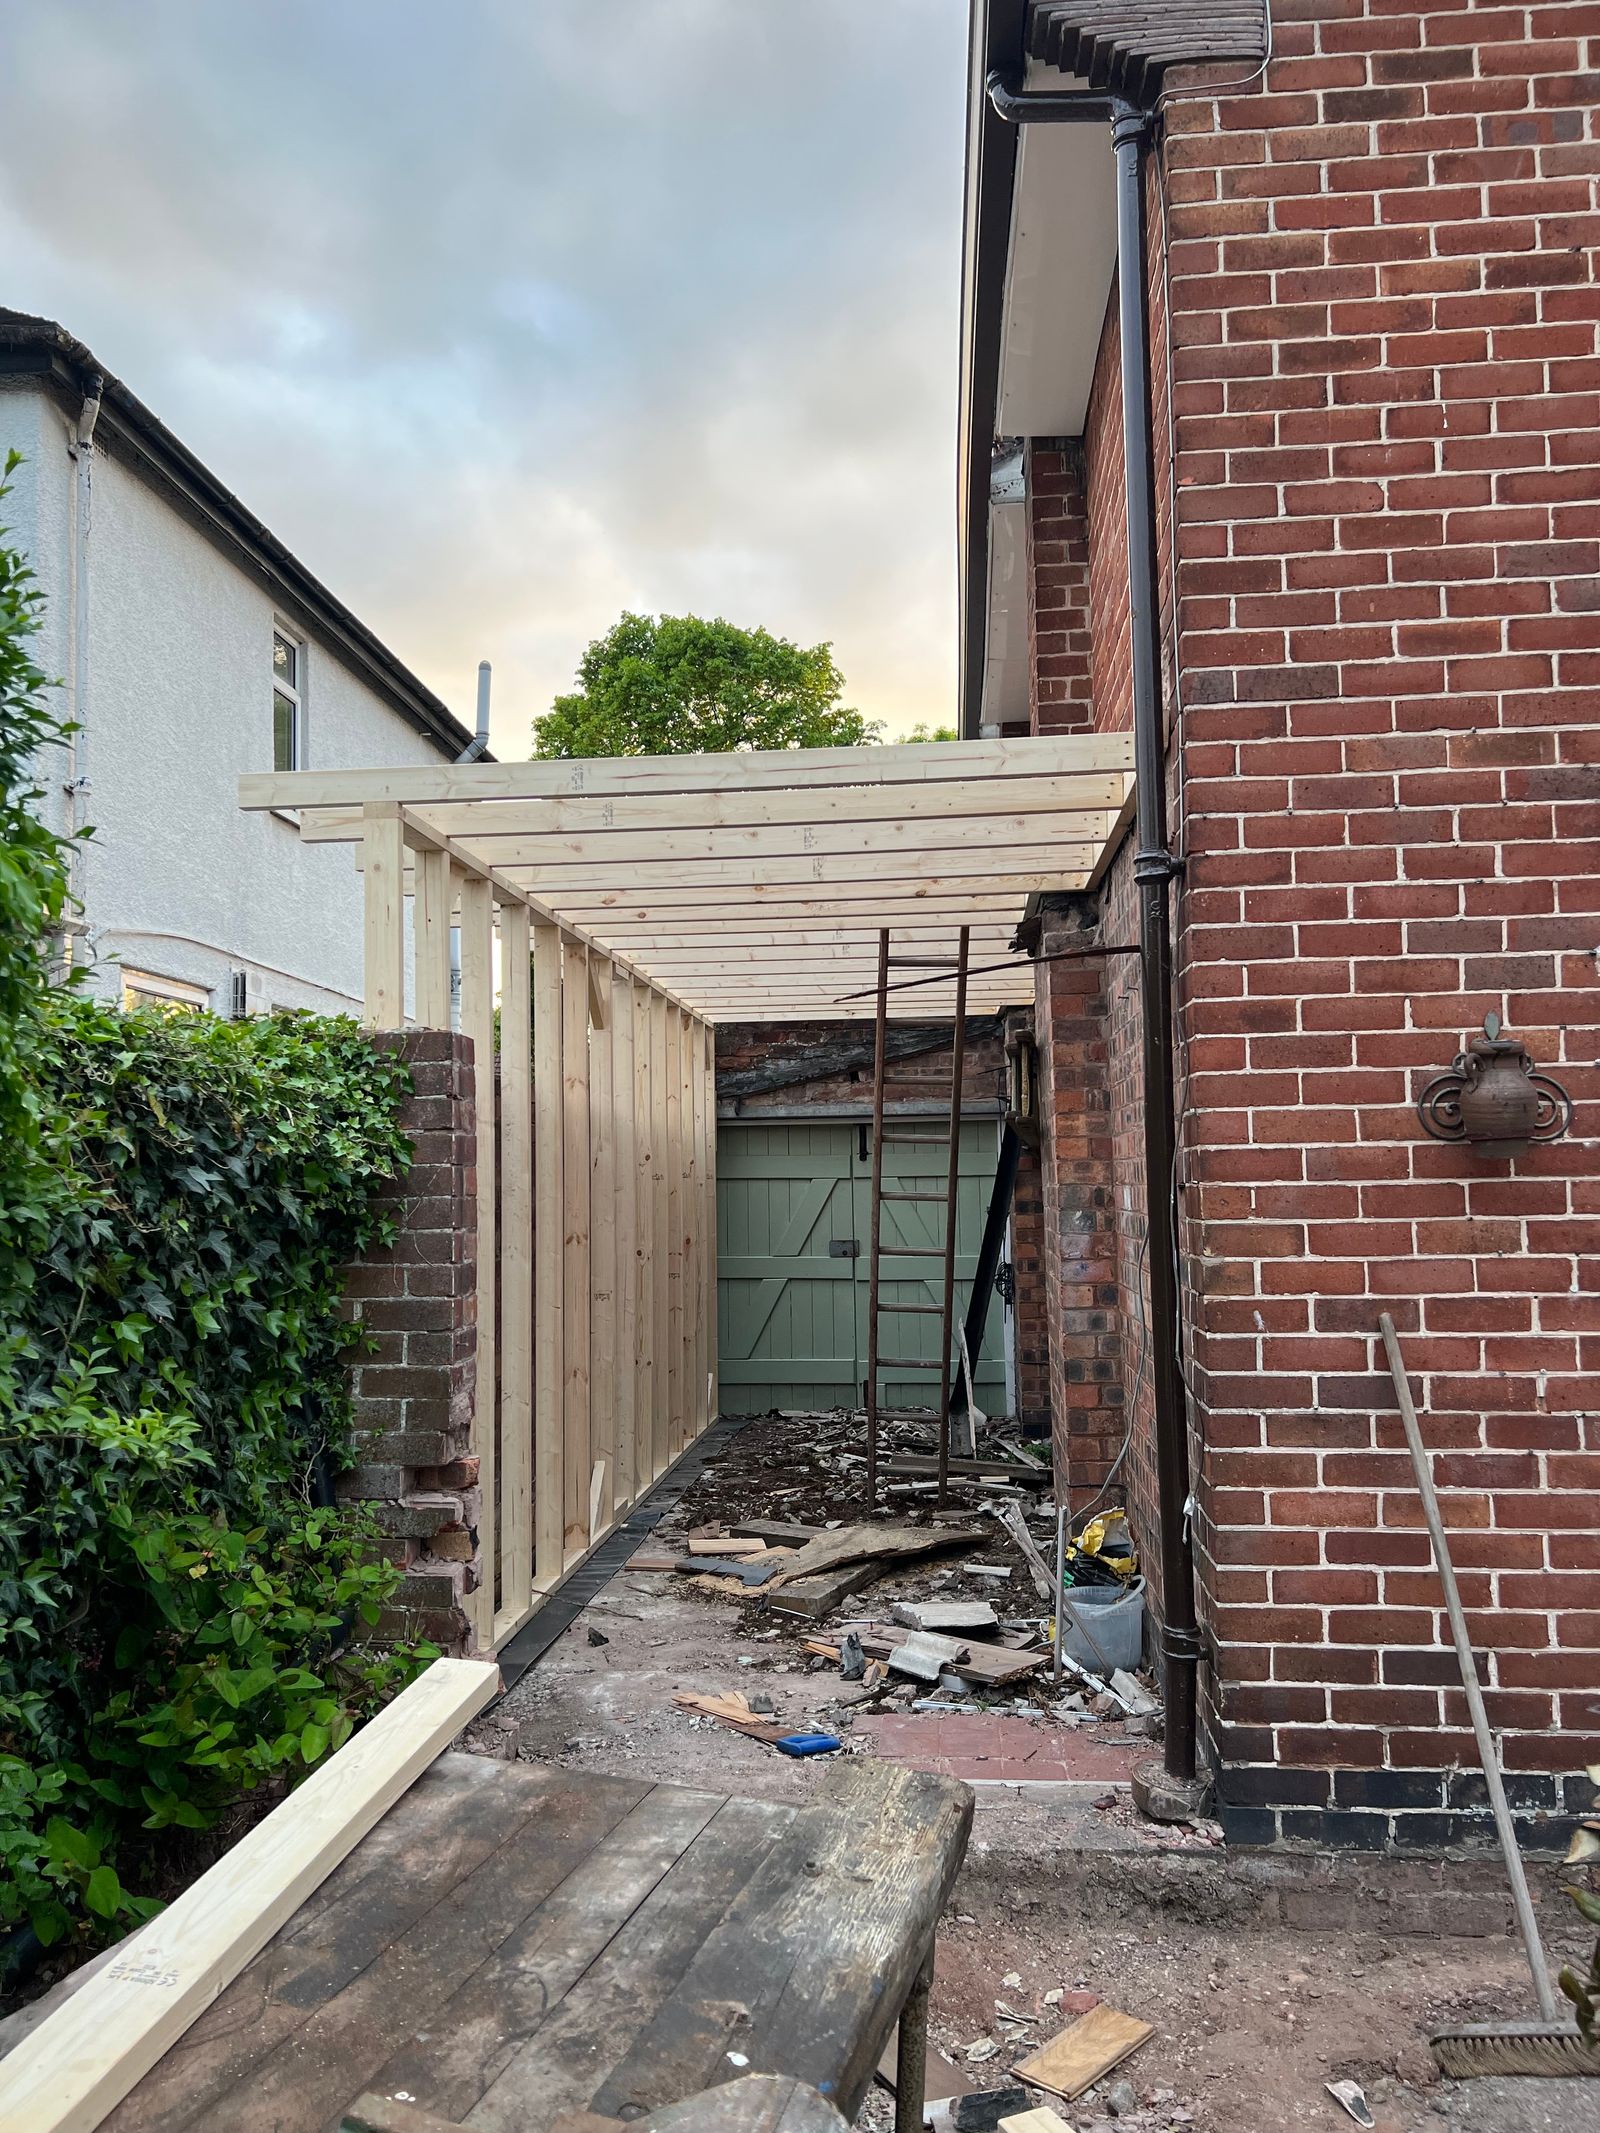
pixel 180 1602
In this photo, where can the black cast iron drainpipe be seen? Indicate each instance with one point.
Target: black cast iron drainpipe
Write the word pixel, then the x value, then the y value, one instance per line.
pixel 1153 868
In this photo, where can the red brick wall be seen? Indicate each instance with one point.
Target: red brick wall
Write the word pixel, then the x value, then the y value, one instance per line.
pixel 1384 306
pixel 1060 698
pixel 1080 1256
pixel 413 1392
pixel 1108 537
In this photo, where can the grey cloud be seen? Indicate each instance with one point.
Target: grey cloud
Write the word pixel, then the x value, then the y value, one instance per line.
pixel 510 316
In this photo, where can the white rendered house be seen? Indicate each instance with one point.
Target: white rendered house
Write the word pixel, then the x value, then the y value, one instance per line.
pixel 191 646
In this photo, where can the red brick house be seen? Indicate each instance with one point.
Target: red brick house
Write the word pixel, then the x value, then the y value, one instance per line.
pixel 1360 520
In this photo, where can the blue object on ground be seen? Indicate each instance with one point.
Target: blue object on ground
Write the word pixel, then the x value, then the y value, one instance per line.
pixel 808 1744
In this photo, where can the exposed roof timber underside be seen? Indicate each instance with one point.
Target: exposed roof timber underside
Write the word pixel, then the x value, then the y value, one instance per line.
pixel 1127 45
pixel 754 886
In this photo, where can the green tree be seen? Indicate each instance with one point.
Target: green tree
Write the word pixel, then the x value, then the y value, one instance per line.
pixel 677 685
pixel 922 731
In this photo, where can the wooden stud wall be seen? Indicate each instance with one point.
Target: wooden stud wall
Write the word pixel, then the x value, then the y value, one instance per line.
pixel 595 1292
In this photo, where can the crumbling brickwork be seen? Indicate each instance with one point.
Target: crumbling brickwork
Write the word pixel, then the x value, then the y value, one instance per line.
pixel 413 1392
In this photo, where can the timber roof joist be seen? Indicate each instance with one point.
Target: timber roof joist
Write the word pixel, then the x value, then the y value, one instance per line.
pixel 753 886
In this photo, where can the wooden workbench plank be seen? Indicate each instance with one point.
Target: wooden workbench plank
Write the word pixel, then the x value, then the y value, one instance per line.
pixel 835 1919
pixel 472 2036
pixel 582 2038
pixel 344 2041
pixel 455 1817
pixel 86 2056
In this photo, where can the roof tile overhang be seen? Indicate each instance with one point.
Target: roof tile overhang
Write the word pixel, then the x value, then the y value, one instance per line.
pixel 1019 202
pixel 1127 45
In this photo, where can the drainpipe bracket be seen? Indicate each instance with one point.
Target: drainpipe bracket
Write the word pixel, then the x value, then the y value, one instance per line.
pixel 1183 1645
pixel 1129 122
pixel 1154 863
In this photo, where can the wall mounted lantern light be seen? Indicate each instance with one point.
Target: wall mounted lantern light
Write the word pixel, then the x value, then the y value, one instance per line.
pixel 1493 1100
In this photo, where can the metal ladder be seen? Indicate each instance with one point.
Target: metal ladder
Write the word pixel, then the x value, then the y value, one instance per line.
pixel 918 1135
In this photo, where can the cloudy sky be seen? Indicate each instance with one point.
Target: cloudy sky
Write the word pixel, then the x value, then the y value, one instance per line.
pixel 509 315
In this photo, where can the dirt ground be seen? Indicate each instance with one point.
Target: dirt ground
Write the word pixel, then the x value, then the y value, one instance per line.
pixel 1054 1896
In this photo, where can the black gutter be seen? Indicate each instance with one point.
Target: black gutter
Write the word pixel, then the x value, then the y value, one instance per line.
pixel 40 349
pixel 992 160
pixel 1153 871
pixel 1154 868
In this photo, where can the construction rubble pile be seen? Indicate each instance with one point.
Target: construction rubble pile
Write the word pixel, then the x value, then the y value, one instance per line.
pixel 910 1605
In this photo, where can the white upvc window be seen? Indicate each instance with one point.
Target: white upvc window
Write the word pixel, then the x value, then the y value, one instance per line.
pixel 144 988
pixel 288 699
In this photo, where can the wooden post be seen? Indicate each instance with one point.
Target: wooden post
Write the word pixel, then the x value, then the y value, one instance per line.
pixel 713 1291
pixel 549 1366
pixel 602 1251
pixel 432 910
pixel 694 1377
pixel 644 1347
pixel 625 1313
pixel 660 1254
pixel 477 1022
pixel 383 871
pixel 575 1264
pixel 516 1269
pixel 675 1315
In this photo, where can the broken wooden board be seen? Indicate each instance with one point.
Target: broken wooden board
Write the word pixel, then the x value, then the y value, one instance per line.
pixel 990 1665
pixel 815 1597
pixel 784 1531
pixel 876 1544
pixel 1079 2056
pixel 727 1544
pixel 732 1709
pixel 946 1618
pixel 940 2079
pixel 1028 1477
pixel 1043 2120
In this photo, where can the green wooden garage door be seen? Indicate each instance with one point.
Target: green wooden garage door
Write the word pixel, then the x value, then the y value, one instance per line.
pixel 792 1316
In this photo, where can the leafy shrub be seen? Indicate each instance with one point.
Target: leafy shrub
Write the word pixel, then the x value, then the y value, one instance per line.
pixel 180 1606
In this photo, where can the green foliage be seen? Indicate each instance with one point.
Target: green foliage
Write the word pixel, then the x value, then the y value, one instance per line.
pixel 33 861
pixel 677 685
pixel 922 731
pixel 1582 1987
pixel 180 1624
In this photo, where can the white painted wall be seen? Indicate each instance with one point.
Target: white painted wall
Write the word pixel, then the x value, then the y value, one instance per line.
pixel 177 881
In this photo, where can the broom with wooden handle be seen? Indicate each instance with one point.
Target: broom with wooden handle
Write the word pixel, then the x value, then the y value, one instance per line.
pixel 1548 2046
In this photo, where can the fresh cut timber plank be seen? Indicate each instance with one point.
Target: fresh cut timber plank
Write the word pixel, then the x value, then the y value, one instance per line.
pixel 76 2066
pixel 1079 2056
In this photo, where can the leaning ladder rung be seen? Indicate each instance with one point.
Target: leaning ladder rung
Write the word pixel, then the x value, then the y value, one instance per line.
pixel 911 1251
pixel 941 1197
pixel 922 1310
pixel 923 962
pixel 907 1362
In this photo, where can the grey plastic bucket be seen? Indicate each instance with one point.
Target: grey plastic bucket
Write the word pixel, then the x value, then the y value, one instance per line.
pixel 1115 1615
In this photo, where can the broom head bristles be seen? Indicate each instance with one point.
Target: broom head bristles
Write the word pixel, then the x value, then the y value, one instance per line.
pixel 1513 2048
